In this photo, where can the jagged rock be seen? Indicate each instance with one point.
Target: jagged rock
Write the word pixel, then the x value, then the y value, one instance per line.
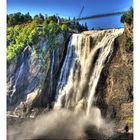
pixel 115 88
pixel 28 79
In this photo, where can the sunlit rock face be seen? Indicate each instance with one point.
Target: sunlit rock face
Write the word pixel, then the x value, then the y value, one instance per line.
pixel 115 88
pixel 27 74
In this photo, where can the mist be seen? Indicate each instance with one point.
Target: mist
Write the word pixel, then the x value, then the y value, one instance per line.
pixel 61 124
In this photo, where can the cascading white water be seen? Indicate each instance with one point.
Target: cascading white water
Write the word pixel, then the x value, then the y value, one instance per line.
pixel 85 59
pixel 76 71
pixel 20 72
pixel 107 43
pixel 51 73
pixel 65 69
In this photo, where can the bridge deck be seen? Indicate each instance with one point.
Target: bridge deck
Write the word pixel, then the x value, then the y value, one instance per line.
pixel 99 16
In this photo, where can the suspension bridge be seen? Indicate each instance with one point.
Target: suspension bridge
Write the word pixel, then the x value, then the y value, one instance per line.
pixel 97 15
pixel 100 16
pixel 92 17
pixel 79 18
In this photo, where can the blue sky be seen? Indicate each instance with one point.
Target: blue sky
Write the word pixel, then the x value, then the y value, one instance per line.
pixel 71 8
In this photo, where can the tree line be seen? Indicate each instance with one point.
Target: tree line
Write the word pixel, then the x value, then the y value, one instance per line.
pixel 23 30
pixel 19 18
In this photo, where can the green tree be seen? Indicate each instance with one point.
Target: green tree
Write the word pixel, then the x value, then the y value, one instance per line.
pixel 27 17
pixel 11 52
pixel 18 18
pixel 41 18
pixel 64 28
pixel 128 17
pixel 36 19
pixel 129 45
pixel 34 37
pixel 53 18
pixel 54 28
pixel 19 36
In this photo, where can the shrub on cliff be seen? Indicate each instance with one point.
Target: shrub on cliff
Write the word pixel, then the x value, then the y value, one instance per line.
pixel 129 45
pixel 34 37
pixel 64 28
pixel 127 17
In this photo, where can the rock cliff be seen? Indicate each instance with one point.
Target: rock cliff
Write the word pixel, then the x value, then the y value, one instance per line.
pixel 30 78
pixel 115 88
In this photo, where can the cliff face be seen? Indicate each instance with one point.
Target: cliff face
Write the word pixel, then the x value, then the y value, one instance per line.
pixel 30 76
pixel 115 88
pixel 31 80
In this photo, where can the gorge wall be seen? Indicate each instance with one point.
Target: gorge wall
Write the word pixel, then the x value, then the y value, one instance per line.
pixel 90 71
pixel 115 88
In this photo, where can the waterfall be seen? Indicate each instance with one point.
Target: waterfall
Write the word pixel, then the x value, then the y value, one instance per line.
pixel 21 74
pixel 107 43
pixel 86 56
pixel 75 114
pixel 51 73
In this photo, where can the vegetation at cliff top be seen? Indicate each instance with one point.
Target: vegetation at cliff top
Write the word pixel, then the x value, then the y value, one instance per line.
pixel 129 44
pixel 128 17
pixel 23 30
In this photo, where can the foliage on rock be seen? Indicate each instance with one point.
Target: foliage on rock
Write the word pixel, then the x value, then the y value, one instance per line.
pixel 129 44
pixel 128 17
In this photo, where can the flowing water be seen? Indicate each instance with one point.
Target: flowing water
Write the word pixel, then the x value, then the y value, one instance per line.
pixel 22 70
pixel 86 56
